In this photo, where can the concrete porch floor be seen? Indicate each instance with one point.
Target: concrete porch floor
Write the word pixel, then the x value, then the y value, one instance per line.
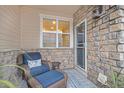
pixel 78 80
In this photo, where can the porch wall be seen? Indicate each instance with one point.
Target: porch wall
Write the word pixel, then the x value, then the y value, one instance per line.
pixel 105 38
pixel 65 56
pixel 30 38
pixel 9 42
pixel 9 73
pixel 9 27
pixel 30 26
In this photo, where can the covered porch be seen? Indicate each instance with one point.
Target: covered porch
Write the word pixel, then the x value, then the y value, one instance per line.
pixel 87 41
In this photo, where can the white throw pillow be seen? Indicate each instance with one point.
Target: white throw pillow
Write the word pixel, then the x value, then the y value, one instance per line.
pixel 34 63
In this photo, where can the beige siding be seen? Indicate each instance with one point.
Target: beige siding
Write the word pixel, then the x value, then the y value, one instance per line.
pixel 30 28
pixel 9 27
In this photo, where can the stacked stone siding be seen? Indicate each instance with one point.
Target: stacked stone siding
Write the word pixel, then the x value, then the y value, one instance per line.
pixel 63 55
pixel 105 39
pixel 9 73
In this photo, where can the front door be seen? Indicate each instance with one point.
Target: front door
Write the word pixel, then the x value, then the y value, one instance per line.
pixel 81 45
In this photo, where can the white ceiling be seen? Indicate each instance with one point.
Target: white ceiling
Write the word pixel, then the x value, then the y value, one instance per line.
pixel 64 10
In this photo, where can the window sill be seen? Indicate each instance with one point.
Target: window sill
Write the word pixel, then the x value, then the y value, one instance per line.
pixel 56 48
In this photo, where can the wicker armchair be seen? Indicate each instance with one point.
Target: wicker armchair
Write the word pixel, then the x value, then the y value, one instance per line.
pixel 47 79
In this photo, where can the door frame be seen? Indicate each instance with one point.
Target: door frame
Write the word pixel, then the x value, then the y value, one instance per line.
pixel 84 70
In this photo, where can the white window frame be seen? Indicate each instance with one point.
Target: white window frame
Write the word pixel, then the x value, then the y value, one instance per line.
pixel 56 18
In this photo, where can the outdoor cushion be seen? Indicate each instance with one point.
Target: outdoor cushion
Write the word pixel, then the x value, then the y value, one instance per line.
pixel 49 78
pixel 34 63
pixel 39 70
pixel 31 56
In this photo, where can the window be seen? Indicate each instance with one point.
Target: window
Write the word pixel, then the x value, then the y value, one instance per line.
pixel 64 33
pixel 56 32
pixel 49 32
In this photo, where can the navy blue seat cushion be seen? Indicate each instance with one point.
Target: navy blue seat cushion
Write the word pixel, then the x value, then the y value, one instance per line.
pixel 31 56
pixel 49 78
pixel 39 70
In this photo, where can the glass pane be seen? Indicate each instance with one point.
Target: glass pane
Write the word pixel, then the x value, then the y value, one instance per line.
pixel 64 26
pixel 49 25
pixel 81 38
pixel 81 28
pixel 49 40
pixel 64 40
pixel 81 57
pixel 80 45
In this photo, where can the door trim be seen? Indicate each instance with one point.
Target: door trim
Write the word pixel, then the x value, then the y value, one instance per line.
pixel 84 70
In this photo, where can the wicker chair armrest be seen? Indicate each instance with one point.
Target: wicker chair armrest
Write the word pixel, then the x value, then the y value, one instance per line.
pixel 27 74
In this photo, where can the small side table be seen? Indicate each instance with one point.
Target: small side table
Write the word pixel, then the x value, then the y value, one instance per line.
pixel 55 65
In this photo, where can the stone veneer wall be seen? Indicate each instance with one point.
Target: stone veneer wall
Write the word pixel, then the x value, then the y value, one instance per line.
pixel 105 39
pixel 9 57
pixel 64 55
pixel 10 73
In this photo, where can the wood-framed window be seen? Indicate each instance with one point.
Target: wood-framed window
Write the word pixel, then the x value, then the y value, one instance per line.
pixel 56 32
